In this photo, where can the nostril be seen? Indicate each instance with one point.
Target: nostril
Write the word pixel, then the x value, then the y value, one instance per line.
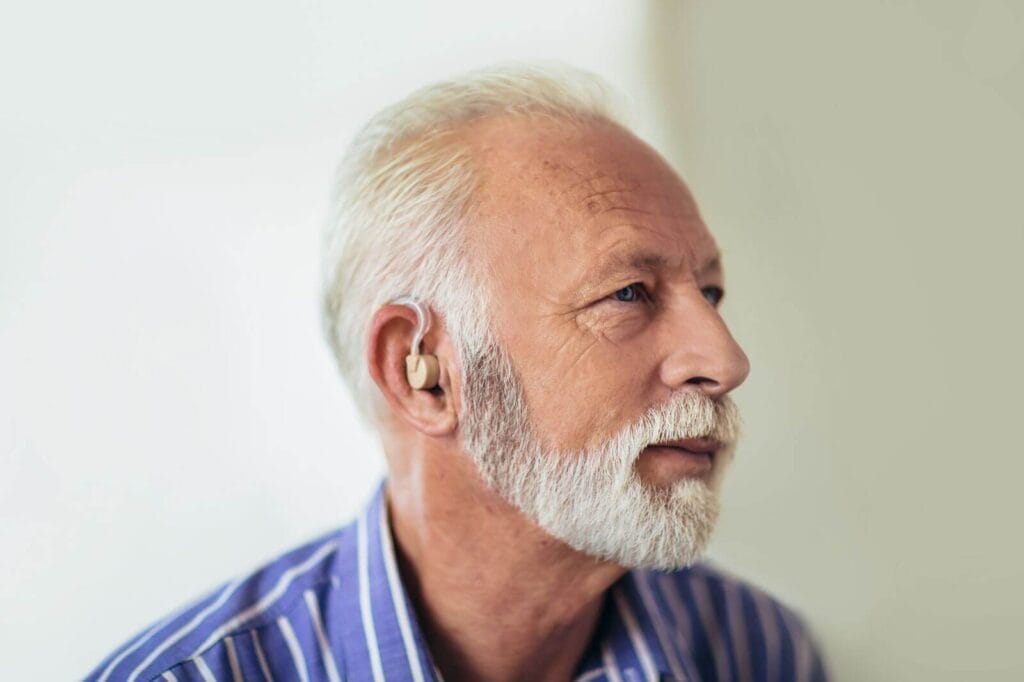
pixel 701 380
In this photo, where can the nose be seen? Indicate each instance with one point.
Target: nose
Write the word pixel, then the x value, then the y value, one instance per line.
pixel 701 352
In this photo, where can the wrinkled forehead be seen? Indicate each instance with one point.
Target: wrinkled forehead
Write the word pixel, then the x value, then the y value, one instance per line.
pixel 554 198
pixel 580 165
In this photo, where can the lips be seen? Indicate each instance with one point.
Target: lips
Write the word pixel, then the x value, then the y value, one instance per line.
pixel 698 446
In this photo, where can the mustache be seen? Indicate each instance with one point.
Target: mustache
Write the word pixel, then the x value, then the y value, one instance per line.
pixel 691 414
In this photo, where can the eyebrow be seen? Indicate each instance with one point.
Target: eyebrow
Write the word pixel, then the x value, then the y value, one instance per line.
pixel 646 261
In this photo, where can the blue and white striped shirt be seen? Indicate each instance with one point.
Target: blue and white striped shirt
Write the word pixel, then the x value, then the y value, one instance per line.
pixel 335 609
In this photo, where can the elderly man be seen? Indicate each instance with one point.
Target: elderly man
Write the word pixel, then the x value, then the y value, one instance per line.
pixel 524 300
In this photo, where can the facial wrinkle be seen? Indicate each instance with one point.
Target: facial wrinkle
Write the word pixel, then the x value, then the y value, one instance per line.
pixel 601 186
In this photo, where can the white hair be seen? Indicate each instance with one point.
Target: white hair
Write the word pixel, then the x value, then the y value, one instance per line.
pixel 402 193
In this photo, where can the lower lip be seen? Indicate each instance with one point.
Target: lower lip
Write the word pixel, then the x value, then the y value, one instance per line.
pixel 683 461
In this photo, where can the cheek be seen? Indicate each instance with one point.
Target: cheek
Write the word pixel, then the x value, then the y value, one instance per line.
pixel 583 403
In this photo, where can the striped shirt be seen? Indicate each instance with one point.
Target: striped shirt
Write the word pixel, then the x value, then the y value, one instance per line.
pixel 335 609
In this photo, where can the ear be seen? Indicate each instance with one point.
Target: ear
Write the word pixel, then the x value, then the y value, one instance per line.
pixel 430 411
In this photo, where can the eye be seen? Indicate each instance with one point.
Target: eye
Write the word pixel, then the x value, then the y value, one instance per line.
pixel 632 293
pixel 713 295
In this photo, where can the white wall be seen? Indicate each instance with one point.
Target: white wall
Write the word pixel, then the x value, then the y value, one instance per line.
pixel 169 415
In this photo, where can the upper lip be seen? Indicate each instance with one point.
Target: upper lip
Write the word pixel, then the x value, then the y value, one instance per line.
pixel 707 445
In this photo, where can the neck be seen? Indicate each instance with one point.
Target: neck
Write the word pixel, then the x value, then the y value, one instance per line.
pixel 496 597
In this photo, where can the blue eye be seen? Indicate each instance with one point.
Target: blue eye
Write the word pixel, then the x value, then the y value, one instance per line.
pixel 637 291
pixel 715 296
pixel 630 293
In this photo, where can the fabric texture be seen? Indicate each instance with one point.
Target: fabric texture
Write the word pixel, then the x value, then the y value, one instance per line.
pixel 335 609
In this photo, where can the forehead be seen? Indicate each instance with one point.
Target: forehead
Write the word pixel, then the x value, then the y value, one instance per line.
pixel 557 201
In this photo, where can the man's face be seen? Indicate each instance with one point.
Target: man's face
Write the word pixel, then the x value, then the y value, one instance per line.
pixel 605 282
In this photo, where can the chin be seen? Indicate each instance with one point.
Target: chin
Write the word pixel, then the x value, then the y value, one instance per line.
pixel 639 526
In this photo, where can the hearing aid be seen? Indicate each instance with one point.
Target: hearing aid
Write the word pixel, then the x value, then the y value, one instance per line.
pixel 421 370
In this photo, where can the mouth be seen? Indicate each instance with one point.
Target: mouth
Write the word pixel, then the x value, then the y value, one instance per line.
pixel 692 457
pixel 695 446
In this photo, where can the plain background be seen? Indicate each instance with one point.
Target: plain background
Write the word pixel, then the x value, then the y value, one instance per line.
pixel 170 416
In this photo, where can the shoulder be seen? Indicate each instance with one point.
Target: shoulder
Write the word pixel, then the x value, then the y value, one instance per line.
pixel 224 624
pixel 734 629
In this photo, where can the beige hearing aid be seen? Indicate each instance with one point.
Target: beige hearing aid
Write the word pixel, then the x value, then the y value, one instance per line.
pixel 422 370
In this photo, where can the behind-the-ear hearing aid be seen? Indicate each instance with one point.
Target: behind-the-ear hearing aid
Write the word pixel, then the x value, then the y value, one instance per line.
pixel 422 370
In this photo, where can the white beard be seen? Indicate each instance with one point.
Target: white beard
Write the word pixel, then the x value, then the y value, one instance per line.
pixel 593 499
